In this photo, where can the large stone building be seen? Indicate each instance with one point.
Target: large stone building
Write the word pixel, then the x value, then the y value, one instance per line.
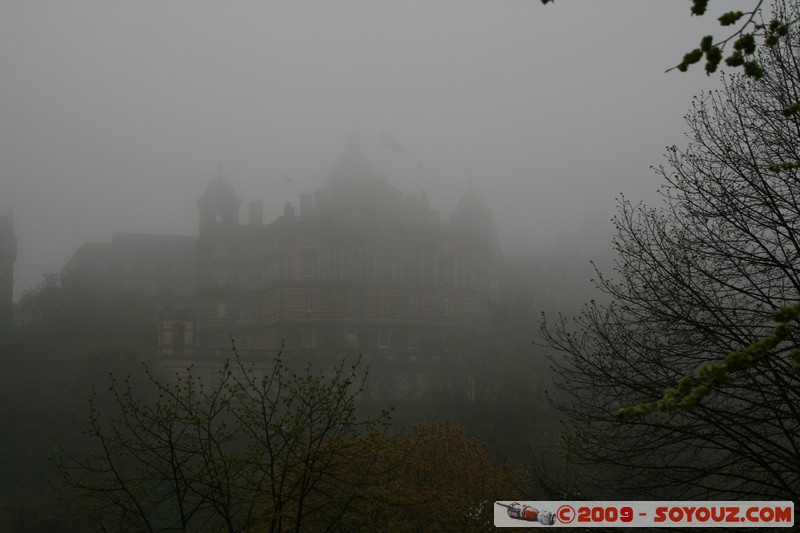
pixel 159 270
pixel 358 268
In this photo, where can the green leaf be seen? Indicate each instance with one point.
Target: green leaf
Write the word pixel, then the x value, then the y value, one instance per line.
pixel 713 58
pixel 753 70
pixel 790 110
pixel 730 18
pixel 746 43
pixel 699 7
pixel 692 57
pixel 736 59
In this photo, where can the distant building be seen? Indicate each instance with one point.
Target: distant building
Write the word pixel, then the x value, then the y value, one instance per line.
pixel 158 271
pixel 8 254
pixel 358 268
pixel 361 268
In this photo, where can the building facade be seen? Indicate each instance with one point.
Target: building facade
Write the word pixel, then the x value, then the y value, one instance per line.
pixel 157 270
pixel 359 268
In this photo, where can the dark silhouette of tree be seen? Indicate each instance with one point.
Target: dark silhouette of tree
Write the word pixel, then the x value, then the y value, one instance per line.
pixel 696 280
pixel 246 450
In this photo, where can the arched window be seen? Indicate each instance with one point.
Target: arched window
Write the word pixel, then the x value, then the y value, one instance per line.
pixel 178 338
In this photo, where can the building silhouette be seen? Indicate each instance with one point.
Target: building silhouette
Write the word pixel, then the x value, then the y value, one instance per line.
pixel 359 268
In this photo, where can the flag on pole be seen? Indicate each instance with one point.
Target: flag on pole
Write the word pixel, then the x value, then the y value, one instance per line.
pixel 390 142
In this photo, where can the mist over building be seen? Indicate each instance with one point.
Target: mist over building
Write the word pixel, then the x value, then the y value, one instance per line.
pixel 358 267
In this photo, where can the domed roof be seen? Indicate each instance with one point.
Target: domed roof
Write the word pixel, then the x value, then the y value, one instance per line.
pixel 219 192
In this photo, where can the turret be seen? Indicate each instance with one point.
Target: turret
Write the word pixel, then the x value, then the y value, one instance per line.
pixel 219 206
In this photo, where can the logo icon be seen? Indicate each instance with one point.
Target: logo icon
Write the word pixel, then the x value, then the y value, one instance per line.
pixel 528 513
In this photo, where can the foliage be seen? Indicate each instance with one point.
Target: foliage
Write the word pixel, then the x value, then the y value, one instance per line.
pixel 247 449
pixel 745 39
pixel 711 376
pixel 696 280
pixel 436 480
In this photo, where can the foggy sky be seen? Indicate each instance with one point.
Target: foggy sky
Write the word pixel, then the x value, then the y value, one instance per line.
pixel 115 115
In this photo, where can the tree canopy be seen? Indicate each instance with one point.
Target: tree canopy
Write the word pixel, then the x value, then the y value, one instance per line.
pixel 692 297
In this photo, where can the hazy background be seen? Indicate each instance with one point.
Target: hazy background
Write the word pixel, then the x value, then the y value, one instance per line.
pixel 115 115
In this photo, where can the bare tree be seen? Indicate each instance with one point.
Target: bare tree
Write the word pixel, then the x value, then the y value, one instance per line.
pixel 695 280
pixel 247 450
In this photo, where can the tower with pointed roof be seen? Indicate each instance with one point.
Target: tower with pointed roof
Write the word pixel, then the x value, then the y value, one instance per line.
pixel 219 206
pixel 361 268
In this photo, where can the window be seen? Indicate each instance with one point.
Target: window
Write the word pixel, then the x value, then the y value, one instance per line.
pixel 220 275
pixel 351 303
pixel 384 338
pixel 310 265
pixel 178 338
pixel 271 340
pixel 309 307
pixel 222 309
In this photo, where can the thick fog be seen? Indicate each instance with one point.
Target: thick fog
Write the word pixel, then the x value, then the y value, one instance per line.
pixel 115 115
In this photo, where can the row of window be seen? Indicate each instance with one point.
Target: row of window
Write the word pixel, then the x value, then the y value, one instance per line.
pixel 351 338
pixel 248 274
pixel 310 340
pixel 385 268
pixel 248 307
pixel 253 249
pixel 259 306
